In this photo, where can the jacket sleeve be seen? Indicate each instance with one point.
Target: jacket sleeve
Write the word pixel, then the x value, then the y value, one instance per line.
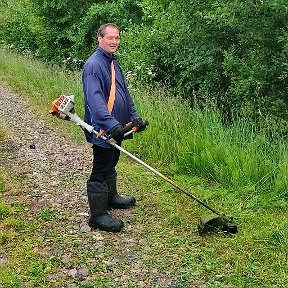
pixel 97 103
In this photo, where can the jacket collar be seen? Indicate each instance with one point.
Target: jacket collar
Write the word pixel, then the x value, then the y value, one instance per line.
pixel 108 56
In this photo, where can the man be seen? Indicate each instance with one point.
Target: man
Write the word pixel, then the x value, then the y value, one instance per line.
pixel 108 107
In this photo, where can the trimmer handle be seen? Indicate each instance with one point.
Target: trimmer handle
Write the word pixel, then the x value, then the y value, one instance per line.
pixel 136 125
pixel 129 128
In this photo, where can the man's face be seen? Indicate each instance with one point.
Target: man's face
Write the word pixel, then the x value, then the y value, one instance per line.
pixel 110 41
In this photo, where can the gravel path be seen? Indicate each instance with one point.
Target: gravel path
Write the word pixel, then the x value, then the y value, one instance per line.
pixel 47 158
pixel 55 170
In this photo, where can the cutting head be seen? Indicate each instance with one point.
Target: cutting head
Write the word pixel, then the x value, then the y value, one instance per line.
pixel 218 224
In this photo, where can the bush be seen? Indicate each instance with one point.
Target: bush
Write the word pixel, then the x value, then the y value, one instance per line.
pixel 233 54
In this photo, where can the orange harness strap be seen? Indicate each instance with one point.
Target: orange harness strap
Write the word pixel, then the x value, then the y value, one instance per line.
pixel 112 95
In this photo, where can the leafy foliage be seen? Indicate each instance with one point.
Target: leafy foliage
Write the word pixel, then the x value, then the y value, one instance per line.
pixel 229 54
pixel 62 31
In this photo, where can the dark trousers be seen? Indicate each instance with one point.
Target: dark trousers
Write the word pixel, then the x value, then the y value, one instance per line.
pixel 104 162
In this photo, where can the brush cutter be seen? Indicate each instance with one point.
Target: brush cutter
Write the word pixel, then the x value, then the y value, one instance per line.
pixel 63 107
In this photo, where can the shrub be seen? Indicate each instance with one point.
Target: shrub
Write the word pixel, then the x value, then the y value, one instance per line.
pixel 233 54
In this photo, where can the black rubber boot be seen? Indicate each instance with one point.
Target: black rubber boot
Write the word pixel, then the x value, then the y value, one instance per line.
pixel 114 199
pixel 98 198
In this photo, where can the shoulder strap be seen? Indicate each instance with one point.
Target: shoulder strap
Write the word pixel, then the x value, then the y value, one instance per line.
pixel 111 99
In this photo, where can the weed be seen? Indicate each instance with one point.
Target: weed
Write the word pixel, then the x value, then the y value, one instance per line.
pixel 2 185
pixel 7 236
pixel 9 279
pixel 279 238
pixel 46 214
pixel 5 210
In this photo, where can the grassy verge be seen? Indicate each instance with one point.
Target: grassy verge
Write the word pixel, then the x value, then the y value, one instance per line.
pixel 166 220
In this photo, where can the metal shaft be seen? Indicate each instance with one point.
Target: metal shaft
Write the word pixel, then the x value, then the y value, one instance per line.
pixel 164 177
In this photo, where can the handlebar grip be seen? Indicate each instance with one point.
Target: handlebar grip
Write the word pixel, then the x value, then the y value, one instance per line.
pixel 128 127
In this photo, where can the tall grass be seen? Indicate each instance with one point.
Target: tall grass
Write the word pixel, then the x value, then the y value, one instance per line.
pixel 198 143
pixel 190 141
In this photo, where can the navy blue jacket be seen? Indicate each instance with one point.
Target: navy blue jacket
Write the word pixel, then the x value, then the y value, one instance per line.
pixel 96 79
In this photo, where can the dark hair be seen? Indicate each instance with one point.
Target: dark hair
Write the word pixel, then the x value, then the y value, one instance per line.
pixel 102 28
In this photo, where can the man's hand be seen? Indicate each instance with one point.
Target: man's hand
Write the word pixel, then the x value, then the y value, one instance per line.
pixel 117 132
pixel 140 123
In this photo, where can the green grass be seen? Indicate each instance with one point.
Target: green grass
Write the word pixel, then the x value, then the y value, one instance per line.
pixel 234 169
pixel 197 143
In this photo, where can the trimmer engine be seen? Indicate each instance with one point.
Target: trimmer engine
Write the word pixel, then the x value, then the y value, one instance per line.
pixel 62 106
